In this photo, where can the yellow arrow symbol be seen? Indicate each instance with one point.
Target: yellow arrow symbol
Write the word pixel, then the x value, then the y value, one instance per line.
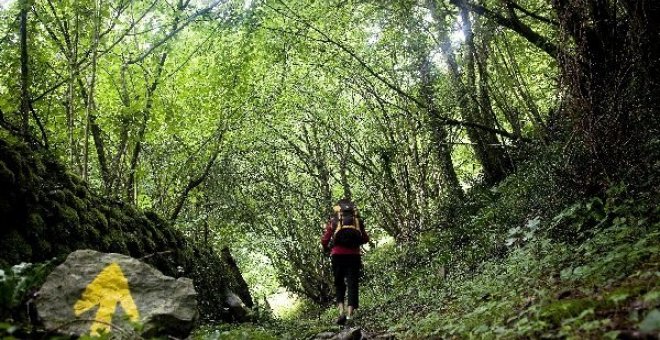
pixel 108 288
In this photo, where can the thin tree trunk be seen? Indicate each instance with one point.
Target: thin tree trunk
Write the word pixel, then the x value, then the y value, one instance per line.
pixel 25 84
pixel 146 113
pixel 92 82
pixel 343 170
pixel 70 110
pixel 448 175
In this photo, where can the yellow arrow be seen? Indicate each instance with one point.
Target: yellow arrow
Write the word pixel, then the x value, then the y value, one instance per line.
pixel 108 288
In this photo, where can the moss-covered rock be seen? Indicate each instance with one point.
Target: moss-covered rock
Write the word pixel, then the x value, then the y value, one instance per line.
pixel 48 212
pixel 6 175
pixel 68 215
pixel 36 224
pixel 21 250
pixel 98 218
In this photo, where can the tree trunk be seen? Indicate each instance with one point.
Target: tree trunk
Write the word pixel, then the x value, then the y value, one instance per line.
pixel 440 136
pixel 89 107
pixel 611 80
pixel 486 145
pixel 25 84
pixel 343 169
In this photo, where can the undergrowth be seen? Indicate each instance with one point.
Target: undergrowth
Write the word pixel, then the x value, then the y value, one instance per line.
pixel 592 270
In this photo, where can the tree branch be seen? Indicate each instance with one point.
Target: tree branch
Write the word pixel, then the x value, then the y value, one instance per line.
pixel 327 39
pixel 194 183
pixel 514 24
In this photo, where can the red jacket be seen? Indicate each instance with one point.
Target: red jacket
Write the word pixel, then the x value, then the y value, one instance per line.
pixel 337 249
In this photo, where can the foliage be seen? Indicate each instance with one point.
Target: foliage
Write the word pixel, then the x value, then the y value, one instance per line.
pixel 57 205
pixel 17 286
pixel 542 287
pixel 468 132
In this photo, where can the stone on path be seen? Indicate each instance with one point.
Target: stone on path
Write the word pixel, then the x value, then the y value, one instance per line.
pixel 352 333
pixel 94 293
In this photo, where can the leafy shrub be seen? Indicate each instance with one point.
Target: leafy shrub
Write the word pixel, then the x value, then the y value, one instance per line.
pixel 17 284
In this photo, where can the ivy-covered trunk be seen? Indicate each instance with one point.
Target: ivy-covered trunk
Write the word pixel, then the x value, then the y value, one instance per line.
pixel 610 75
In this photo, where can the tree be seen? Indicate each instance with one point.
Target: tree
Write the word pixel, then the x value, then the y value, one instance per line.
pixel 611 83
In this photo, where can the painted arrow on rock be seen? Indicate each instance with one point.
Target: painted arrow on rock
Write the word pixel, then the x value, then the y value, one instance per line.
pixel 107 290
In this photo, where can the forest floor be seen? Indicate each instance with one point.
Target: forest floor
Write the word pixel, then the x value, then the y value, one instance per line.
pixel 606 287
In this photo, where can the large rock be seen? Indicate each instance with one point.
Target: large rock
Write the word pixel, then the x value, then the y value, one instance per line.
pixel 353 333
pixel 237 309
pixel 93 292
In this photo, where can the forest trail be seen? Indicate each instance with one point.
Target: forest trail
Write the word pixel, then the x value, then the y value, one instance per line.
pixel 503 153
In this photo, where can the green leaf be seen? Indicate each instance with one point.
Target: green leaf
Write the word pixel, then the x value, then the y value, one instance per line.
pixel 652 296
pixel 651 322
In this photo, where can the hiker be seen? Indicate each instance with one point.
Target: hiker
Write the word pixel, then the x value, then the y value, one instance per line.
pixel 343 236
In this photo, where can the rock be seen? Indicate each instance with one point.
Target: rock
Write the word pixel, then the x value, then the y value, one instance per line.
pixel 324 336
pixel 354 333
pixel 350 333
pixel 239 287
pixel 564 294
pixel 237 308
pixel 93 292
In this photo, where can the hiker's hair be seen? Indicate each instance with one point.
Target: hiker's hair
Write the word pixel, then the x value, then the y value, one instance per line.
pixel 344 201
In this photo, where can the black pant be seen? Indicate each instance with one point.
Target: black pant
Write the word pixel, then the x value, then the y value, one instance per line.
pixel 346 269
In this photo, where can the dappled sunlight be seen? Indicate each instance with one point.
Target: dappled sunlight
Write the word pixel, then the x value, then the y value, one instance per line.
pixel 283 303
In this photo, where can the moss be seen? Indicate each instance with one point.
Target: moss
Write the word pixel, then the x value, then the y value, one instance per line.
pixel 6 175
pixel 36 224
pixel 68 215
pixel 44 246
pixel 39 166
pixel 14 162
pixel 28 175
pixel 6 206
pixel 130 210
pixel 117 242
pixel 82 191
pixel 134 245
pixel 61 248
pixel 66 178
pixel 117 215
pixel 620 295
pixel 75 179
pixel 90 232
pixel 57 195
pixel 159 237
pixel 149 245
pixel 98 218
pixel 14 248
pixel 76 202
pixel 157 220
pixel 113 224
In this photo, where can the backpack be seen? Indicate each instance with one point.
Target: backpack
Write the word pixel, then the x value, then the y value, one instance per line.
pixel 347 228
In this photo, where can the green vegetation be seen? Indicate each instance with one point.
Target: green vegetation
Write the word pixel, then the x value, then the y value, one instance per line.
pixel 503 153
pixel 607 283
pixel 59 214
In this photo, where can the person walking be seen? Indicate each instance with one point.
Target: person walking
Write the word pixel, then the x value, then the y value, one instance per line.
pixel 344 234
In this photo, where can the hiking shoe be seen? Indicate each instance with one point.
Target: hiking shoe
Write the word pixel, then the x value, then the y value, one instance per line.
pixel 341 320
